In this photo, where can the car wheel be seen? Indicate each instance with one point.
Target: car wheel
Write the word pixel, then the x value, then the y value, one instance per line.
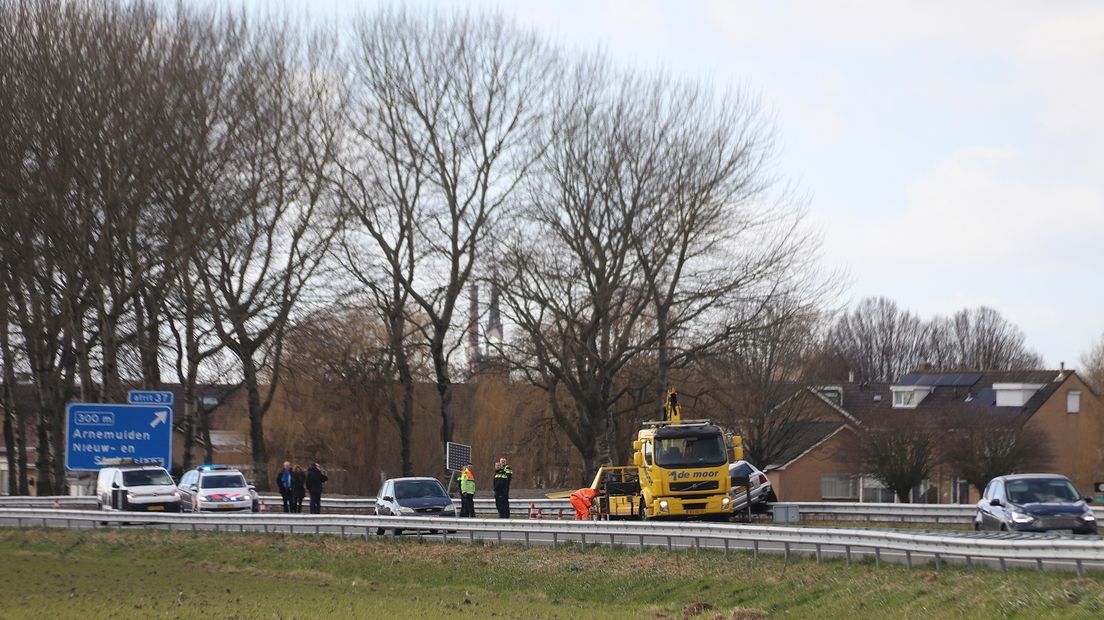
pixel 1003 527
pixel 379 531
pixel 977 526
pixel 771 497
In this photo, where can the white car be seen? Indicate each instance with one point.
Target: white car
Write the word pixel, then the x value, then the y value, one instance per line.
pixel 761 489
pixel 215 488
pixel 136 487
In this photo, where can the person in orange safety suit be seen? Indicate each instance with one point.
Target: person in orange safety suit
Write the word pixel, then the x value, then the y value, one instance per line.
pixel 583 502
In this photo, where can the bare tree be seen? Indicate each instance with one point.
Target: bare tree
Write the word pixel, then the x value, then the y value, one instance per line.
pixel 900 453
pixel 982 446
pixel 266 245
pixel 1092 365
pixel 880 340
pixel 759 379
pixel 442 108
pixel 984 340
pixel 630 257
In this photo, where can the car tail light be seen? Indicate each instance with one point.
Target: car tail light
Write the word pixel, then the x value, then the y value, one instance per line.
pixel 762 478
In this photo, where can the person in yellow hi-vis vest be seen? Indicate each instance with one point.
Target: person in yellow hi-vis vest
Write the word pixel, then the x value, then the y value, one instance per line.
pixel 467 492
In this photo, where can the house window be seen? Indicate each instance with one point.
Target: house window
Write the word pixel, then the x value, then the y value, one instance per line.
pixel 874 491
pixel 1073 401
pixel 839 488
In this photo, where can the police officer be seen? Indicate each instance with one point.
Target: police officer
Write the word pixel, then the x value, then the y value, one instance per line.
pixel 502 477
pixel 467 492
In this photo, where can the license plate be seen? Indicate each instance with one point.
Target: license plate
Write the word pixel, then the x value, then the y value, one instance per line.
pixel 226 506
pixel 156 507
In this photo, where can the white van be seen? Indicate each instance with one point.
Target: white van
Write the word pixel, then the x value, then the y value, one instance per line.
pixel 137 487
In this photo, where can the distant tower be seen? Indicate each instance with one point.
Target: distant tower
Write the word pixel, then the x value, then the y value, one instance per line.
pixel 473 331
pixel 494 320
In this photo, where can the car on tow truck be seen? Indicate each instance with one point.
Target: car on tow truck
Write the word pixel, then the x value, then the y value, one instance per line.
pixel 758 487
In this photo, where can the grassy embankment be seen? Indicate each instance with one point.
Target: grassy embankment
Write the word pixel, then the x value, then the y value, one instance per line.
pixel 139 574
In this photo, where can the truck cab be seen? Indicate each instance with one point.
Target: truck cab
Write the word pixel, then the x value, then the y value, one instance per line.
pixel 683 470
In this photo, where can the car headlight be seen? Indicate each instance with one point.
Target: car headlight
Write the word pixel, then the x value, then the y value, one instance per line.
pixel 406 511
pixel 176 495
pixel 1088 516
pixel 725 502
pixel 663 505
pixel 1019 517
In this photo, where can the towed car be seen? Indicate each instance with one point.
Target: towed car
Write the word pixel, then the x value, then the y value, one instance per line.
pixel 759 488
pixel 413 497
pixel 1034 503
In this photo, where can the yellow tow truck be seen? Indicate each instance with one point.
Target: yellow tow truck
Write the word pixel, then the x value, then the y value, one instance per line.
pixel 679 470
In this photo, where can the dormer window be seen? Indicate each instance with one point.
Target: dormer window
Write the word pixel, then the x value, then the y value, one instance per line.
pixel 909 396
pixel 1015 394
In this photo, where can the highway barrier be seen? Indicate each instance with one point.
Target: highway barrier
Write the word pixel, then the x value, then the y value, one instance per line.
pixel 997 549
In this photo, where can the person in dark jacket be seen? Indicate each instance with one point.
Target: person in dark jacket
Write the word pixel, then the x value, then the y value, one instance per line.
pixel 502 476
pixel 283 483
pixel 298 489
pixel 316 477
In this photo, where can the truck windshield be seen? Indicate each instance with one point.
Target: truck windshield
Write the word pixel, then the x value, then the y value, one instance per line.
pixel 705 451
pixel 146 477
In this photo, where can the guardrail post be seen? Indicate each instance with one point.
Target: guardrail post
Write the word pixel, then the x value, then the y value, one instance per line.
pixel 847 553
pixel 1003 567
pixel 668 543
pixel 1080 568
pixel 641 543
pixel 1039 564
pixel 498 537
pixel 526 539
pixel 969 564
pixel 343 531
pixel 582 542
pixel 818 553
pixel 877 556
pixel 697 547
pixel 908 559
pixel 755 549
pixel 786 551
pixel 726 548
pixel 938 563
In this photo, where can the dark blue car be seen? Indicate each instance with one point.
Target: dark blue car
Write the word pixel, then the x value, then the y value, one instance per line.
pixel 413 497
pixel 1034 503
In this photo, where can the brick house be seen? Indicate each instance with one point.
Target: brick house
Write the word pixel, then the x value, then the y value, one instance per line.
pixel 817 467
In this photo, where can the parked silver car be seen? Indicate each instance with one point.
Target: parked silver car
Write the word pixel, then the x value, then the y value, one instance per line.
pixel 761 489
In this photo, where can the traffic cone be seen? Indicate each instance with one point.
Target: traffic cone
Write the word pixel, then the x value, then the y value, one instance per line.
pixel 57 504
pixel 534 512
pixel 263 508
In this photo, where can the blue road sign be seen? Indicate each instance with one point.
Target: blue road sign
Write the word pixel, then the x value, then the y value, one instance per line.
pixel 98 431
pixel 147 397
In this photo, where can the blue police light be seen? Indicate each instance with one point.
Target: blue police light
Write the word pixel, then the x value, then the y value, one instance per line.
pixel 213 467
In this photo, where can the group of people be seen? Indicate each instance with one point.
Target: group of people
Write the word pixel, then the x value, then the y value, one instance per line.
pixel 502 477
pixel 295 484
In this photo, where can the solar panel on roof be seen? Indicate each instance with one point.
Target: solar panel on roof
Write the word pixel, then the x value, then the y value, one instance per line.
pixel 908 379
pixel 967 379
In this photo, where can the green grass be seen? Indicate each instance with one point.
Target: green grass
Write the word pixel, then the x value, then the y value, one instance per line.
pixel 50 574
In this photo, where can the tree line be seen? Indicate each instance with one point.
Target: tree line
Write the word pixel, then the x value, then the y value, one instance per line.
pixel 188 191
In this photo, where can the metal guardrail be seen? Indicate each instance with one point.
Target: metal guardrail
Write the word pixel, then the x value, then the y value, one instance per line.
pixel 955 514
pixel 1039 551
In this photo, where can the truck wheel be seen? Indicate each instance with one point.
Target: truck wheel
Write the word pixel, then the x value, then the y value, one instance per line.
pixel 643 511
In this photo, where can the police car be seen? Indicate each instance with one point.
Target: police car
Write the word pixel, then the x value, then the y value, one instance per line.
pixel 216 488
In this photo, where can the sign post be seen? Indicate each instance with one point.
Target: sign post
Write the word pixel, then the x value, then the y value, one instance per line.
pixel 457 455
pixel 98 431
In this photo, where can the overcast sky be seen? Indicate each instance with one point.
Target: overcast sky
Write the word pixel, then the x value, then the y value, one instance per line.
pixel 952 153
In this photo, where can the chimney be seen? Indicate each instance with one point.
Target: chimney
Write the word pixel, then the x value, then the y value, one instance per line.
pixel 494 318
pixel 473 330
